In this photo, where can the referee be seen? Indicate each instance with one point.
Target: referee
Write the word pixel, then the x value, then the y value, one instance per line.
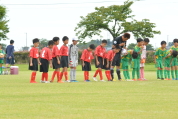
pixel 121 41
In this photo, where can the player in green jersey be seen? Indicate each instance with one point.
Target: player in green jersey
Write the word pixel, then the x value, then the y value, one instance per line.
pixel 158 59
pixel 2 53
pixel 174 65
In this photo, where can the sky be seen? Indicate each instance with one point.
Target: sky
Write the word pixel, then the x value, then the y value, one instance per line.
pixel 49 18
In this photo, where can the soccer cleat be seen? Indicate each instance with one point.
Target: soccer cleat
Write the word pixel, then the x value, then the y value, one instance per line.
pixel 114 80
pixel 144 79
pixel 87 80
pixel 158 78
pixel 94 78
pixel 47 82
pixel 73 81
pixel 162 78
pixel 177 79
pixel 173 79
pixel 60 82
pixel 33 82
pixel 169 79
pixel 110 80
pixel 129 80
pixel 134 79
pixel 68 81
pixel 42 81
pixel 51 81
pixel 166 79
pixel 102 80
pixel 139 79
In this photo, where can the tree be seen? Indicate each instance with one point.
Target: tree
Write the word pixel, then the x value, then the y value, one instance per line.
pixel 131 46
pixel 43 43
pixel 149 47
pixel 4 29
pixel 116 19
pixel 3 46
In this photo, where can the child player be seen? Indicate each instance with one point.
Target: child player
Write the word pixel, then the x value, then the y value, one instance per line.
pixel 56 60
pixel 143 58
pixel 2 53
pixel 73 59
pixel 136 61
pixel 125 59
pixel 99 61
pixel 34 60
pixel 86 58
pixel 167 63
pixel 108 60
pixel 64 52
pixel 46 60
pixel 158 59
pixel 174 65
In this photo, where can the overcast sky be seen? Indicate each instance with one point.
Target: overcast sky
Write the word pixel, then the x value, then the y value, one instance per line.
pixel 59 18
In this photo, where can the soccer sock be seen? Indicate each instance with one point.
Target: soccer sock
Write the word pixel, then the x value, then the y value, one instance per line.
pixel 112 73
pixel 138 73
pixel 133 73
pixel 85 75
pixel 71 74
pixel 34 76
pixel 101 75
pixel 66 75
pixel 172 73
pixel 125 74
pixel 61 75
pixel 169 74
pixel 46 76
pixel 54 74
pixel 74 74
pixel 176 73
pixel 43 76
pixel 96 73
pixel 58 75
pixel 161 73
pixel 107 74
pixel 158 74
pixel 118 74
pixel 31 76
pixel 128 75
pixel 165 73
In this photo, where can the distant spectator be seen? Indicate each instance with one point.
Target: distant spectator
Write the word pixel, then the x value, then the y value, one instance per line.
pixel 10 54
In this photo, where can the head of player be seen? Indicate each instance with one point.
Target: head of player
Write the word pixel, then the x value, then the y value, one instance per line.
pixel 139 42
pixel 146 41
pixel 134 55
pixel 11 42
pixel 65 40
pixel 163 44
pixel 91 47
pixel 104 43
pixel 175 41
pixel 126 37
pixel 56 40
pixel 116 48
pixel 36 42
pixel 50 44
pixel 75 41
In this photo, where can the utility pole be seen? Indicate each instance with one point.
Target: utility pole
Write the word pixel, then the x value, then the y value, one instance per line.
pixel 26 39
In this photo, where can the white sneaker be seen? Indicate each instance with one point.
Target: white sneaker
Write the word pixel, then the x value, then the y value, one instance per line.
pixel 129 80
pixel 42 81
pixel 94 78
pixel 103 80
pixel 67 81
pixel 47 82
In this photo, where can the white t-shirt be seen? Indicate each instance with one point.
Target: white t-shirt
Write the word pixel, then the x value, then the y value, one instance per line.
pixel 143 56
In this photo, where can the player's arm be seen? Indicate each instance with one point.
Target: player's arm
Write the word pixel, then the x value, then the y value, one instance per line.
pixel 31 64
pixel 107 63
pixel 38 59
pixel 50 63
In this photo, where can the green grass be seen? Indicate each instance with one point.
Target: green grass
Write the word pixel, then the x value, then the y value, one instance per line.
pixel 151 99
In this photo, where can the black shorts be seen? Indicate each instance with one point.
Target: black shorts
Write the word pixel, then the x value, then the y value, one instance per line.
pixel 105 64
pixel 64 61
pixel 44 67
pixel 117 60
pixel 100 59
pixel 87 66
pixel 55 64
pixel 35 65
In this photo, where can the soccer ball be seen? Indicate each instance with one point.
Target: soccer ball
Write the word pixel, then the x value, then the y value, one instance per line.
pixel 124 51
pixel 1 55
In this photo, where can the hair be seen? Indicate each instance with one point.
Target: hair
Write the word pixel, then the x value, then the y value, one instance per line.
pixel 126 35
pixel 11 41
pixel 104 41
pixel 163 42
pixel 134 55
pixel 55 39
pixel 65 38
pixel 117 47
pixel 174 53
pixel 36 40
pixel 146 40
pixel 50 43
pixel 175 40
pixel 139 40
pixel 92 46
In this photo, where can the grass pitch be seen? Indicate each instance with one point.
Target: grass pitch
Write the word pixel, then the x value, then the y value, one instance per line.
pixel 150 99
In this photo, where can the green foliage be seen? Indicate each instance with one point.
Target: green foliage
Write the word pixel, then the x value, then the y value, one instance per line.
pixel 149 47
pixel 43 43
pixel 4 29
pixel 114 19
pixel 131 46
pixel 3 46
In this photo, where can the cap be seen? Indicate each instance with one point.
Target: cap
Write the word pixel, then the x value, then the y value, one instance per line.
pixel 75 39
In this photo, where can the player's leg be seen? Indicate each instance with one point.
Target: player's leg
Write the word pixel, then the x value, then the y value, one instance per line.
pixel 133 74
pixel 141 71
pixel 172 72
pixel 165 73
pixel 71 73
pixel 169 73
pixel 161 73
pixel 138 73
pixel 112 72
pixel 74 74
pixel 176 72
pixel 127 73
pixel 65 73
pixel 0 69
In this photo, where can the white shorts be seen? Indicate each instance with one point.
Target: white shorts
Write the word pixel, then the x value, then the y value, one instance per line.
pixel 142 64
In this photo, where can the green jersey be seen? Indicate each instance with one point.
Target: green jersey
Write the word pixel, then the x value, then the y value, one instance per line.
pixel 138 49
pixel 160 53
pixel 2 59
pixel 127 57
pixel 174 48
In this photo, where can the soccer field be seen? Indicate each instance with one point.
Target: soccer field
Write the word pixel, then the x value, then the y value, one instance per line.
pixel 152 99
